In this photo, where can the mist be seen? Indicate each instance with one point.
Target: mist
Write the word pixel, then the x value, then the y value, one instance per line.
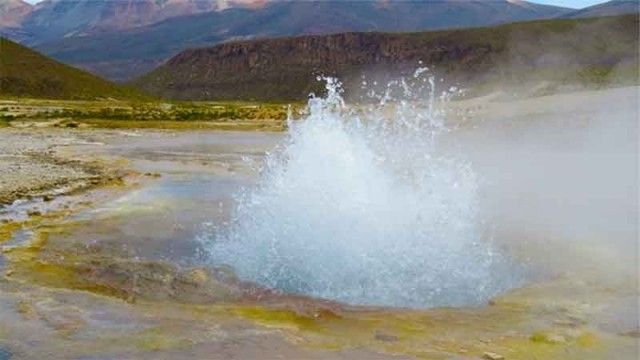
pixel 558 178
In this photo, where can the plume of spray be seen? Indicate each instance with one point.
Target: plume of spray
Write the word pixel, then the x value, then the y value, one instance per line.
pixel 357 206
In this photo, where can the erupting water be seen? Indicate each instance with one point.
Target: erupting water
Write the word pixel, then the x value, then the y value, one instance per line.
pixel 357 206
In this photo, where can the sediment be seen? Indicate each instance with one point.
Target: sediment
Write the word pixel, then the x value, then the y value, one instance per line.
pixel 32 163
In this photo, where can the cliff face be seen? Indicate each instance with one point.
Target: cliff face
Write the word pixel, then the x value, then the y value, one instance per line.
pixel 286 68
pixel 321 52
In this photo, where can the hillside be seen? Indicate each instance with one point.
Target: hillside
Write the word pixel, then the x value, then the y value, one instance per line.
pixel 24 72
pixel 562 51
pixel 124 54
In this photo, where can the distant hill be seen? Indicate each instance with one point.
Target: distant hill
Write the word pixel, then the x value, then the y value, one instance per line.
pixel 121 53
pixel 610 8
pixel 581 50
pixel 24 72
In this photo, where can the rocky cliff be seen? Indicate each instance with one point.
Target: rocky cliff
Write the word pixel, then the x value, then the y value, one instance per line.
pixel 287 68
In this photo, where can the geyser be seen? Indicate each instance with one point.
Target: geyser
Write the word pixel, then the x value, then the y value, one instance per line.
pixel 358 206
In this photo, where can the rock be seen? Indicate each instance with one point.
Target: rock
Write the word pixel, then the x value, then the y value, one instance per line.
pixel 197 276
pixel 8 273
pixel 385 337
pixel 33 212
pixel 492 356
pixel 48 198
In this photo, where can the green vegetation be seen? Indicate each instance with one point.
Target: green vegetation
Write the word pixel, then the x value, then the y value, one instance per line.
pixel 37 91
pixel 24 72
pixel 144 114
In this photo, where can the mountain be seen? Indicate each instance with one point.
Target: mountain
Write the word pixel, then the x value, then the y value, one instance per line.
pixel 610 8
pixel 12 12
pixel 55 19
pixel 24 72
pixel 126 53
pixel 582 50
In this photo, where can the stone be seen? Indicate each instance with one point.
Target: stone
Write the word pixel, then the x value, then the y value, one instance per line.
pixel 33 212
pixel 197 276
pixel 385 337
pixel 492 356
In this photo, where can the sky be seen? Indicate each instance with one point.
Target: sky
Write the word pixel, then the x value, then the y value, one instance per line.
pixel 578 4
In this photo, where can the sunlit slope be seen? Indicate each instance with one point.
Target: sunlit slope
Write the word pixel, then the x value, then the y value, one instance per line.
pixel 592 52
pixel 26 73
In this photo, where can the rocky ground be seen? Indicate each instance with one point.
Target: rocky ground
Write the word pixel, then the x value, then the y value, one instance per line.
pixel 33 162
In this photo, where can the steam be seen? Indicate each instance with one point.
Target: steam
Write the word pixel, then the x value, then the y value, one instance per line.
pixel 359 206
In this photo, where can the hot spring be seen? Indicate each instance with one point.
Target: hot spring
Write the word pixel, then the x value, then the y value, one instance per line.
pixel 359 205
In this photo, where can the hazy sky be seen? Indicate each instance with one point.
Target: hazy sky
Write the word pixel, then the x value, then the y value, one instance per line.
pixel 578 4
pixel 566 3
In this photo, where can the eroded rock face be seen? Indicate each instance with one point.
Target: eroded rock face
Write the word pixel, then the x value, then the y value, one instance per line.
pixel 205 73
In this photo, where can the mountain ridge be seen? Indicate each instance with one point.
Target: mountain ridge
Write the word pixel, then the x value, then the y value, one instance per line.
pixel 122 55
pixel 609 8
pixel 286 68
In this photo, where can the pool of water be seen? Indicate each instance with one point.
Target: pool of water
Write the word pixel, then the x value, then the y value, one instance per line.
pixel 540 181
pixel 189 182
